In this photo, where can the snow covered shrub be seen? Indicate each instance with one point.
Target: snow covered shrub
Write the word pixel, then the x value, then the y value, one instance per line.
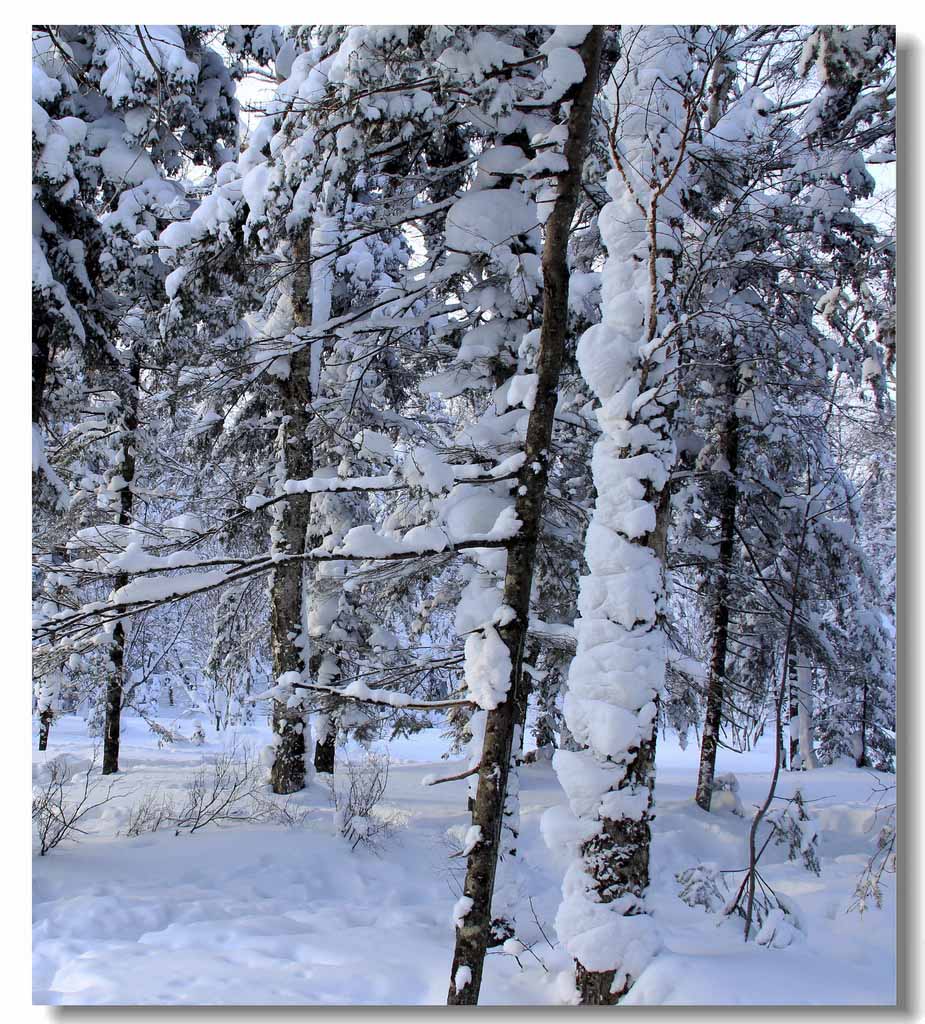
pixel 703 886
pixel 778 929
pixel 54 816
pixel 726 795
pixel 219 794
pixel 882 861
pixel 776 916
pixel 792 827
pixel 287 813
pixel 165 737
pixel 355 794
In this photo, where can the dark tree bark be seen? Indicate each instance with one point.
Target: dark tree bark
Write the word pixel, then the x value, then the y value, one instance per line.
pixel 112 723
pixel 324 754
pixel 327 730
pixel 531 656
pixel 720 629
pixel 862 760
pixel 41 358
pixel 295 459
pixel 45 720
pixel 473 933
pixel 806 701
pixel 793 707
pixel 620 856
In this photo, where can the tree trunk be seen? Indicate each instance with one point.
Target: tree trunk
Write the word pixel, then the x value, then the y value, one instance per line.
pixel 324 753
pixel 630 361
pixel 620 854
pixel 112 722
pixel 720 639
pixel 794 762
pixel 45 720
pixel 327 731
pixel 545 724
pixel 530 658
pixel 41 358
pixel 473 931
pixel 808 759
pixel 291 519
pixel 862 760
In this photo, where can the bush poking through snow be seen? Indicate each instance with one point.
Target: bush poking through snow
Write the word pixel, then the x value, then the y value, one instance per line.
pixel 220 792
pixel 149 814
pixel 776 916
pixel 230 789
pixel 726 795
pixel 165 737
pixel 355 795
pixel 54 816
pixel 703 886
pixel 792 827
pixel 882 861
pixel 287 812
pixel 776 930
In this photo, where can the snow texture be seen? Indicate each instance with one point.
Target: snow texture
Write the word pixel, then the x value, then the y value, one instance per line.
pixel 237 915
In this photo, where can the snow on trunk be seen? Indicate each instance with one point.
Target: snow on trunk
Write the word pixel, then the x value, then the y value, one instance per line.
pixel 629 360
pixel 124 474
pixel 804 720
pixel 496 808
pixel 719 640
pixel 289 530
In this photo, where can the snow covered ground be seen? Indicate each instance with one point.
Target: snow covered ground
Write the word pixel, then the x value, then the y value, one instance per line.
pixel 261 914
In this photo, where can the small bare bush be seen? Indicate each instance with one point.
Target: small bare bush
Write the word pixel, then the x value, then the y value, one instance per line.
pixel 224 791
pixel 228 790
pixel 55 816
pixel 287 813
pixel 149 814
pixel 792 827
pixel 355 795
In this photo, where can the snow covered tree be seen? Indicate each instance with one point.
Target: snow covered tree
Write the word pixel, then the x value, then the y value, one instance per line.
pixel 138 104
pixel 495 673
pixel 630 360
pixel 501 376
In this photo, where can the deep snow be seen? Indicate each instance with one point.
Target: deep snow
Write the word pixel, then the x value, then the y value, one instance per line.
pixel 257 914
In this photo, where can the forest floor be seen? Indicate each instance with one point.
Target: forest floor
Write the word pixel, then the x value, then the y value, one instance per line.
pixel 265 914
